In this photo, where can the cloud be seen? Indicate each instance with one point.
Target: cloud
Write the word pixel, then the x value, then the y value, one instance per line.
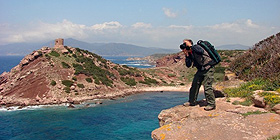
pixel 239 26
pixel 244 32
pixel 179 26
pixel 107 25
pixel 141 25
pixel 250 23
pixel 168 13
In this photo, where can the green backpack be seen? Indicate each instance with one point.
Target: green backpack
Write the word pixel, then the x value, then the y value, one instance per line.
pixel 207 46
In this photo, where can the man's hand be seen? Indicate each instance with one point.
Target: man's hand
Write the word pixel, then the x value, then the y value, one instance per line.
pixel 186 52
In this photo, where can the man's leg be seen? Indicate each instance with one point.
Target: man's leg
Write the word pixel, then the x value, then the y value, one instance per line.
pixel 208 89
pixel 196 83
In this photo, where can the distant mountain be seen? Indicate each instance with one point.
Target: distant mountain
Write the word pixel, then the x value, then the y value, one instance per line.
pixel 20 49
pixel 233 47
pixel 115 49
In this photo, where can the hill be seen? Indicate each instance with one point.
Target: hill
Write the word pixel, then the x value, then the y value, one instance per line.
pixel 112 49
pixel 261 61
pixel 65 74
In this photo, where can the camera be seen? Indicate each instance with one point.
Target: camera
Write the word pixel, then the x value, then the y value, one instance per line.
pixel 184 46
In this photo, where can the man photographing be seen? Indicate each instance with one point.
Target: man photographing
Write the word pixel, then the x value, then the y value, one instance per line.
pixel 198 57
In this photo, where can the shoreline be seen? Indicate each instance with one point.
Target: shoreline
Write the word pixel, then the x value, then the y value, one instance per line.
pixel 109 96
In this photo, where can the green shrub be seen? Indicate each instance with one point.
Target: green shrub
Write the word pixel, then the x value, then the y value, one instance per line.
pixel 219 77
pixel 74 55
pixel 69 50
pixel 67 89
pixel 270 98
pixel 238 92
pixel 276 137
pixel 251 113
pixel 247 102
pixel 219 69
pixel 67 83
pixel 81 85
pixel 278 90
pixel 78 68
pixel 89 80
pixel 149 81
pixel 246 90
pixel 53 83
pixel 236 103
pixel 47 56
pixel 65 65
pixel 129 81
pixel 74 78
pixel 171 75
pixel 54 53
pixel 96 81
pixel 124 72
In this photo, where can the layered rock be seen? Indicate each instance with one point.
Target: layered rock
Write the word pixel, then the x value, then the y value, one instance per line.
pixel 226 122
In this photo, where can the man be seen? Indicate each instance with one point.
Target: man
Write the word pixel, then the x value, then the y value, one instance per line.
pixel 198 57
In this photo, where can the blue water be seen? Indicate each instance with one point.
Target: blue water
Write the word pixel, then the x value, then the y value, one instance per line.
pixel 130 118
pixel 8 62
pixel 132 63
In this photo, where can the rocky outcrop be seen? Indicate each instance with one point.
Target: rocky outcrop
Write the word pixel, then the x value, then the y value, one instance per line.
pixel 276 108
pixel 258 100
pixel 228 121
pixel 170 60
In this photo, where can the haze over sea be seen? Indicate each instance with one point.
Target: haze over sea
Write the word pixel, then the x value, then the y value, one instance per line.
pixel 130 118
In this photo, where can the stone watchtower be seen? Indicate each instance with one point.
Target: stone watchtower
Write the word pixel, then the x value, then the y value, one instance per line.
pixel 59 43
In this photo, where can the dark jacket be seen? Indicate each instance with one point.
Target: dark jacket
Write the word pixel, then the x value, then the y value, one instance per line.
pixel 199 58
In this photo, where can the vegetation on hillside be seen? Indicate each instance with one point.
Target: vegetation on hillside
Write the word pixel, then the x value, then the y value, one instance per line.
pixel 247 90
pixel 97 70
pixel 260 66
pixel 262 61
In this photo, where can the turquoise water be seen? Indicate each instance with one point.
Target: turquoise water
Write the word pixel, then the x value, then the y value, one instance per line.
pixel 130 118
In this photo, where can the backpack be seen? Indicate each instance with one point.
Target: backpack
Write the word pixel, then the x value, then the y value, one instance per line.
pixel 207 46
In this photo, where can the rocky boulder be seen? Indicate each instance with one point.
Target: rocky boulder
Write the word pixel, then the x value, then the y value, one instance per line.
pixel 276 108
pixel 228 121
pixel 258 100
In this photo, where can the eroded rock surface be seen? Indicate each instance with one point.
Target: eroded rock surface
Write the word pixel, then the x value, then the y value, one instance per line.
pixel 228 121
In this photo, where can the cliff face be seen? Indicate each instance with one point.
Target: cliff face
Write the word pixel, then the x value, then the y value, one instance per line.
pixel 66 74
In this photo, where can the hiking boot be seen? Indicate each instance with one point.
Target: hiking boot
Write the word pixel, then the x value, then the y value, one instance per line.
pixel 189 104
pixel 208 108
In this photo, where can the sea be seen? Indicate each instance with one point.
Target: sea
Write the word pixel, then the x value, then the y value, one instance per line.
pixel 130 118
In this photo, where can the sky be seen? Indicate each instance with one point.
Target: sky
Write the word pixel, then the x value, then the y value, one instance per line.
pixel 148 23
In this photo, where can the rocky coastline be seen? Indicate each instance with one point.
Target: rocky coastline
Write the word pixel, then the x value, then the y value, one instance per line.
pixel 72 101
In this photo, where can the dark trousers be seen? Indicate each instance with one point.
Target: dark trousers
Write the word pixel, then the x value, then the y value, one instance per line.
pixel 206 79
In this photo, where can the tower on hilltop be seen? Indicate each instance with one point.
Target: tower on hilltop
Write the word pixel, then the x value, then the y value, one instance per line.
pixel 59 43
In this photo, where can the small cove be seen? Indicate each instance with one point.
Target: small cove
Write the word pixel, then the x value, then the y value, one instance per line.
pixel 132 117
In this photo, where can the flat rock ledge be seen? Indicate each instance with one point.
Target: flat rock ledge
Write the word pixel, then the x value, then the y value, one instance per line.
pixel 227 122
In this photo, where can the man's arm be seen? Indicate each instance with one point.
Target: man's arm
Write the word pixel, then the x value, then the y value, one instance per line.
pixel 197 49
pixel 189 61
